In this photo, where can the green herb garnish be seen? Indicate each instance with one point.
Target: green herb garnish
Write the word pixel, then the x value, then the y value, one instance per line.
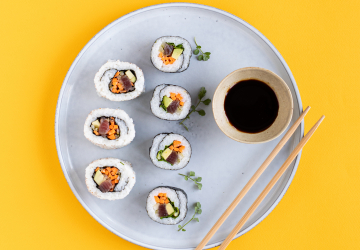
pixel 179 46
pixel 194 179
pixel 197 211
pixel 122 163
pixel 201 112
pixel 203 56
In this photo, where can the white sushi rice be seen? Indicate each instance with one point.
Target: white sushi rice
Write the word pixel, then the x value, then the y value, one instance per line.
pixel 106 73
pixel 176 195
pixel 164 89
pixel 181 64
pixel 159 143
pixel 126 126
pixel 122 189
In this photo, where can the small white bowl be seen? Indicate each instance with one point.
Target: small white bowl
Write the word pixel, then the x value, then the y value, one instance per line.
pixel 283 95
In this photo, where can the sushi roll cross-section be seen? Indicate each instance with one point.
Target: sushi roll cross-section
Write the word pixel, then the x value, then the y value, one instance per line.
pixel 119 81
pixel 109 128
pixel 171 54
pixel 110 178
pixel 170 151
pixel 167 205
pixel 170 102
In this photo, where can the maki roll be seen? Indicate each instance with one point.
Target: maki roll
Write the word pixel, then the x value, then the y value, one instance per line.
pixel 109 128
pixel 110 178
pixel 119 81
pixel 171 54
pixel 170 102
pixel 167 205
pixel 170 151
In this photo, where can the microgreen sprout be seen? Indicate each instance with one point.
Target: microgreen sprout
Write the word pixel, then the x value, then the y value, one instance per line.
pixel 204 56
pixel 192 177
pixel 201 112
pixel 197 211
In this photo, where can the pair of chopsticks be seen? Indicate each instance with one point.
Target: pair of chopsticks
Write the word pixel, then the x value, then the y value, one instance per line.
pixel 253 179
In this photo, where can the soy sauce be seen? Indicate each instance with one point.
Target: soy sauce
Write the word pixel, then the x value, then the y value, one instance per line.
pixel 251 106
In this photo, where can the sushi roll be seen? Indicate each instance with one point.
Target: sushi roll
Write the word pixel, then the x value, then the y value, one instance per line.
pixel 170 102
pixel 167 205
pixel 109 128
pixel 170 151
pixel 171 54
pixel 119 81
pixel 110 178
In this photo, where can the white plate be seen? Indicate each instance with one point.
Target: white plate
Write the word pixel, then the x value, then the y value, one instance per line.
pixel 224 164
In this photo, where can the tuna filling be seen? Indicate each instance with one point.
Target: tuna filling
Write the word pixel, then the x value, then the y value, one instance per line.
pixel 172 108
pixel 168 49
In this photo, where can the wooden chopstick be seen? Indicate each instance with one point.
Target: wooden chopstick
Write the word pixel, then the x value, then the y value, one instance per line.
pixel 251 182
pixel 271 184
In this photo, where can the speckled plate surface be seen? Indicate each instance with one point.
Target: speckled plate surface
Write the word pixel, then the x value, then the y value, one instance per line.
pixel 224 164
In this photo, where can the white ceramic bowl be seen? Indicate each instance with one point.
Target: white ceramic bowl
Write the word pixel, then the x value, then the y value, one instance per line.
pixel 283 95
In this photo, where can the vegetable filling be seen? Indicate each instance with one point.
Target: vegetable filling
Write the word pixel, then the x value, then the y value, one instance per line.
pixel 164 207
pixel 106 127
pixel 106 178
pixel 172 153
pixel 169 52
pixel 173 103
pixel 123 82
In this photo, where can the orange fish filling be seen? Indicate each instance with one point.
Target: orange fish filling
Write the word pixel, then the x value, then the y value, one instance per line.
pixel 177 147
pixel 161 198
pixel 178 97
pixel 111 134
pixel 166 59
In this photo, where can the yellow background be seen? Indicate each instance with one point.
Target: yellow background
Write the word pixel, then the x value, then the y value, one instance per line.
pixel 320 41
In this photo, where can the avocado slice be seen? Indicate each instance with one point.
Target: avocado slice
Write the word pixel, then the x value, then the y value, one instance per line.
pixel 169 209
pixel 176 214
pixel 176 53
pixel 166 101
pixel 99 177
pixel 166 153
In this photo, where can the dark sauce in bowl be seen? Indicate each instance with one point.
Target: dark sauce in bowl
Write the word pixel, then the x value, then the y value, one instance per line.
pixel 251 106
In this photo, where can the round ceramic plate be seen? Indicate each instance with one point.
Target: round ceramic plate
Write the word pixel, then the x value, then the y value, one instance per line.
pixel 225 165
